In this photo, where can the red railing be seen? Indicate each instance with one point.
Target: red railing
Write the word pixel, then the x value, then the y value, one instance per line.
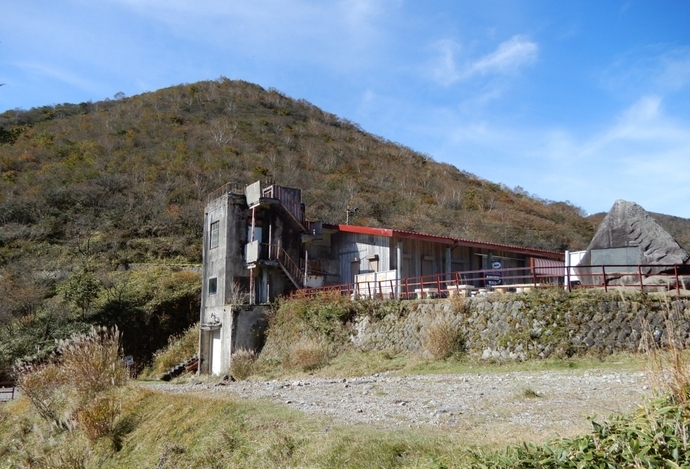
pixel 474 282
pixel 277 253
pixel 668 276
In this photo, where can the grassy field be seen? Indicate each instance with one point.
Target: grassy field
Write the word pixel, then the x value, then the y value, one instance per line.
pixel 165 431
pixel 170 431
pixel 357 363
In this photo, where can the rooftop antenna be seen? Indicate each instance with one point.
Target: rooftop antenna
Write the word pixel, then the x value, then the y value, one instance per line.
pixel 350 211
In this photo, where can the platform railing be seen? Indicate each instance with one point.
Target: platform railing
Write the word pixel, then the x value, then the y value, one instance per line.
pixel 478 282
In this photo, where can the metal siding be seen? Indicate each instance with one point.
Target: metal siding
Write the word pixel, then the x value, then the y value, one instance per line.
pixel 351 245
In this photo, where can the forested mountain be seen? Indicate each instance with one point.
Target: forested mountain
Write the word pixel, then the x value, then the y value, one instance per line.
pixel 92 195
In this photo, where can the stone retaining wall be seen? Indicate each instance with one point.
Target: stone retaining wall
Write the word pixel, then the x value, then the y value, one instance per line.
pixel 520 326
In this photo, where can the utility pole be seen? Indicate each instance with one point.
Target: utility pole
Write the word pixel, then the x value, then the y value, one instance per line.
pixel 348 212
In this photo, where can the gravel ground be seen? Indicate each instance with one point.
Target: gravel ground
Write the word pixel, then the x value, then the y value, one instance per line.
pixel 486 408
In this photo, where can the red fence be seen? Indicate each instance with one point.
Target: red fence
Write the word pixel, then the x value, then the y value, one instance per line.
pixel 467 283
pixel 642 277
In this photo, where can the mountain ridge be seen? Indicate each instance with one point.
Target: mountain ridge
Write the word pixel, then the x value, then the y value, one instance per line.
pixel 91 189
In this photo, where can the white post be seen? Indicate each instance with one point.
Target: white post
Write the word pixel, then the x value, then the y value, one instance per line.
pixel 306 266
pixel 398 268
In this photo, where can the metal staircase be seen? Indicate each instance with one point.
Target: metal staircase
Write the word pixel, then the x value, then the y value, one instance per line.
pixel 288 266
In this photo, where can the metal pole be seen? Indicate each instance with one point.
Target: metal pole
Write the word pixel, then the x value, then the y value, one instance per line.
pixel 251 235
pixel 251 286
pixel 306 266
pixel 270 239
pixel 639 276
pixel 252 298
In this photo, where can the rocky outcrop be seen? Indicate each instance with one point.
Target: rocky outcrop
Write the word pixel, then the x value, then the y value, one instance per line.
pixel 627 225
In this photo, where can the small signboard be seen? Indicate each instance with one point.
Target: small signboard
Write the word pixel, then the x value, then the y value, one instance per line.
pixel 494 278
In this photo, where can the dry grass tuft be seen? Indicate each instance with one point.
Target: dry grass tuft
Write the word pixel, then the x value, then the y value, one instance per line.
pixel 669 363
pixel 442 339
pixel 242 364
pixel 92 362
pixel 309 354
pixel 98 418
pixel 70 388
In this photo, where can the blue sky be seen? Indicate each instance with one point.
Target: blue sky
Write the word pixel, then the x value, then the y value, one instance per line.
pixel 586 101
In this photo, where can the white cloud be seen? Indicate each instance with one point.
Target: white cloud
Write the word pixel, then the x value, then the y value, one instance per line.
pixel 445 70
pixel 337 34
pixel 508 57
pixel 640 155
pixel 644 110
pixel 675 69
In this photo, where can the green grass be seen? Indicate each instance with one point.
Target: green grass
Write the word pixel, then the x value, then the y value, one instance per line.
pixel 178 431
pixel 363 363
pixel 192 431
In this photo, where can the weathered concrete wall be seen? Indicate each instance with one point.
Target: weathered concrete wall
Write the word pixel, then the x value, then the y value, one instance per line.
pixel 528 326
pixel 249 327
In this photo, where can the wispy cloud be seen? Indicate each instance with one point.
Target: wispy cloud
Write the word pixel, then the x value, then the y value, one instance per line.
pixel 638 155
pixel 652 69
pixel 339 34
pixel 674 69
pixel 508 57
pixel 59 74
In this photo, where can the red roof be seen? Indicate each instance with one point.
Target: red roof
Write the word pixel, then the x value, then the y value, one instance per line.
pixel 389 233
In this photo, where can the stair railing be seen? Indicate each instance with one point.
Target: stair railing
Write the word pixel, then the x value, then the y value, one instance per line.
pixel 289 266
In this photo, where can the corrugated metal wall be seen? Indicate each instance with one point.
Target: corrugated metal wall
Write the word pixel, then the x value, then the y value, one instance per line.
pixel 360 253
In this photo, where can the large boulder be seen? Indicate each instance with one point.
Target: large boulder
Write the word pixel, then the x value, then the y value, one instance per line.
pixel 629 226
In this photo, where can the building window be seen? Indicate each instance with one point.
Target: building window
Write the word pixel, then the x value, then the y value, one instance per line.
pixel 212 286
pixel 215 234
pixel 373 262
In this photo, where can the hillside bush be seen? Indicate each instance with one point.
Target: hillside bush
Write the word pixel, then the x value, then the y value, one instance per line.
pixel 654 436
pixel 180 348
pixel 302 327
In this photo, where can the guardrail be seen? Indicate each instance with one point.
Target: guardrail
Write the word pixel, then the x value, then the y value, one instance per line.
pixel 477 282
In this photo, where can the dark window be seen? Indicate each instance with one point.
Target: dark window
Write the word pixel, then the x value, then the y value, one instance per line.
pixel 215 234
pixel 212 286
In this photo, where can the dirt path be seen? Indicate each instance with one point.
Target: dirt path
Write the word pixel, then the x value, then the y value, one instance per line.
pixel 487 407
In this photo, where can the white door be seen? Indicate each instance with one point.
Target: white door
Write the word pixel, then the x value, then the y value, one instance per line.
pixel 216 353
